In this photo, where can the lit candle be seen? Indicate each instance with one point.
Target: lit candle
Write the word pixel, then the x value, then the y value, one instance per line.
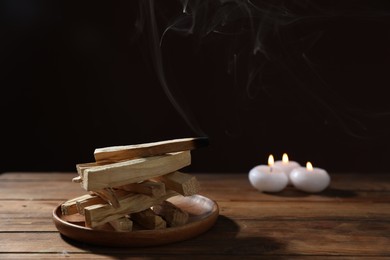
pixel 268 178
pixel 310 179
pixel 286 166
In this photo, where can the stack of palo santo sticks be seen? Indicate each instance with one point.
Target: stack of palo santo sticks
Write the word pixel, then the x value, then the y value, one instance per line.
pixel 129 186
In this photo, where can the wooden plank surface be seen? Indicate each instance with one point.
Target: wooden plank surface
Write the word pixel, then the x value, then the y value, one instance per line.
pixel 351 219
pixel 66 255
pixel 231 187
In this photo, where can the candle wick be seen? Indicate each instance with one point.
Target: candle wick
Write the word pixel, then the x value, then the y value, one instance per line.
pixel 270 169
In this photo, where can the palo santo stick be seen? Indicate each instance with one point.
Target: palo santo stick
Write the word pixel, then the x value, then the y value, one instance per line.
pixel 148 219
pixel 151 188
pixel 70 207
pixel 96 199
pixel 105 227
pixel 173 215
pixel 86 201
pixel 74 218
pixel 122 224
pixel 120 153
pixel 183 183
pixel 126 172
pixel 109 195
pixel 82 166
pixel 99 214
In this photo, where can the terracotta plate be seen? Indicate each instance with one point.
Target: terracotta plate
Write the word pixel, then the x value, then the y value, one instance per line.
pixel 203 214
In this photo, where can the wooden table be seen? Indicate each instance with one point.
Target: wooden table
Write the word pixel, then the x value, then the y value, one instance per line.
pixel 350 219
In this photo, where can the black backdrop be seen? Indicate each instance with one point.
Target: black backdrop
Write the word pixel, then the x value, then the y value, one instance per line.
pixel 77 75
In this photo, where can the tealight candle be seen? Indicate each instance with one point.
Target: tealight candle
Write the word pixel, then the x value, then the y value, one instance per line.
pixel 268 178
pixel 310 179
pixel 286 166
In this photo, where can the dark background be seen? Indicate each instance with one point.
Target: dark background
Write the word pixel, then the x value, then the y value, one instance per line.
pixel 78 75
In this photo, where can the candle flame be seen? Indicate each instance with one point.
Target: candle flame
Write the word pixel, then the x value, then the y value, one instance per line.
pixel 271 160
pixel 285 158
pixel 309 166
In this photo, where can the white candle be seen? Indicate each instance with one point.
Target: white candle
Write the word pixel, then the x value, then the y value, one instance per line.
pixel 310 179
pixel 267 178
pixel 286 166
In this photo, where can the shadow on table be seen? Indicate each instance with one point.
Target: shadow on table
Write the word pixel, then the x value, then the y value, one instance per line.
pixel 330 192
pixel 221 240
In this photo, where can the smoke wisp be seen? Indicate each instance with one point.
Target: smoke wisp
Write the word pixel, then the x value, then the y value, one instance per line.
pixel 260 34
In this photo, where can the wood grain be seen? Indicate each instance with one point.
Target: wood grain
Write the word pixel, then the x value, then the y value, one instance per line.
pixel 99 214
pixel 128 152
pixel 183 183
pixel 279 238
pixel 131 171
pixel 148 219
pixel 150 188
pixel 235 188
pixel 174 216
pixel 130 255
pixel 351 220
